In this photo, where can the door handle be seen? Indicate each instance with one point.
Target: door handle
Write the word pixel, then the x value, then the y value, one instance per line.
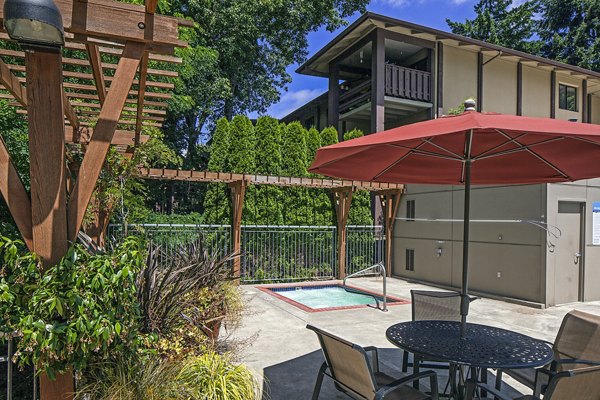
pixel 577 257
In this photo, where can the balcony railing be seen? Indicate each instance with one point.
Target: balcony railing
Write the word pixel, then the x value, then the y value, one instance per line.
pixel 407 83
pixel 400 82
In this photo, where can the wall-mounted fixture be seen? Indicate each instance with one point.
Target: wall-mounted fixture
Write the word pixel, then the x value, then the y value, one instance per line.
pixel 500 237
pixel 34 23
pixel 438 251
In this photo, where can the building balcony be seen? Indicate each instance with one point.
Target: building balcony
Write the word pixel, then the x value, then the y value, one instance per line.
pixel 406 91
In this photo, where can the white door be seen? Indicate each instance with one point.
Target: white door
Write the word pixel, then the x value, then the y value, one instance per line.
pixel 568 253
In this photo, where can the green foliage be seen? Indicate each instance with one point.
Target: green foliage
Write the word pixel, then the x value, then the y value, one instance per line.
pixel 569 30
pixel 294 150
pixel 500 22
pixel 360 210
pixel 313 142
pixel 269 209
pixel 217 203
pixel 242 145
pixel 215 377
pixel 329 136
pixel 84 307
pixel 131 378
pixel 208 377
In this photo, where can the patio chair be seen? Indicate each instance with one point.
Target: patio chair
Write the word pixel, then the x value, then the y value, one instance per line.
pixel 575 384
pixel 578 339
pixel 355 372
pixel 433 305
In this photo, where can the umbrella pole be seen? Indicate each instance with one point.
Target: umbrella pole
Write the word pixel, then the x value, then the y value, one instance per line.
pixel 465 300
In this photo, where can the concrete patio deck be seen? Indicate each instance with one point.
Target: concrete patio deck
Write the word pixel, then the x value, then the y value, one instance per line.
pixel 288 355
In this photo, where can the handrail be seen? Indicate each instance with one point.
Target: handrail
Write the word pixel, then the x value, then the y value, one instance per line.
pixel 378 268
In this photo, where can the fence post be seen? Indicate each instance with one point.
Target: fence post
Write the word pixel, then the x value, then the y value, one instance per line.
pixel 390 200
pixel 342 200
pixel 238 191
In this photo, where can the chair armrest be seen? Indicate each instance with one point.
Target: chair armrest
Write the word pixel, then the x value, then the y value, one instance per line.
pixel 575 361
pixel 384 390
pixel 374 357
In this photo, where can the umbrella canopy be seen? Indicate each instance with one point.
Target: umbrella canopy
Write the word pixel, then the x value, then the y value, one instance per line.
pixel 504 149
pixel 478 148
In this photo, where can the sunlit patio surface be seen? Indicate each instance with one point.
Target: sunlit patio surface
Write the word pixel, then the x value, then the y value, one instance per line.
pixel 280 348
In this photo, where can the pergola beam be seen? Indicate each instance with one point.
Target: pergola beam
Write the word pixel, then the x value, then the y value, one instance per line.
pixel 110 20
pixel 283 181
pixel 103 135
pixel 238 192
pixel 15 195
pixel 97 72
pixel 120 138
pixel 12 83
pixel 342 199
pixel 142 84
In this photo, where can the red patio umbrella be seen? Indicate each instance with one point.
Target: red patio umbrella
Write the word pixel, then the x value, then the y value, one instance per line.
pixel 471 148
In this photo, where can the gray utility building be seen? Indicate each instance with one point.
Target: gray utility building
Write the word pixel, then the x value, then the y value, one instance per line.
pixel 384 72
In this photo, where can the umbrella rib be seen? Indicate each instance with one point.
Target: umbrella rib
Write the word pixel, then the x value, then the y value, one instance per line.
pixel 511 140
pixel 539 157
pixel 411 151
pixel 424 152
pixel 517 150
pixel 429 141
pixel 584 140
pixel 467 156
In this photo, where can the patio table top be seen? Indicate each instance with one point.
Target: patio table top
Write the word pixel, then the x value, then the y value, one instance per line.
pixel 483 346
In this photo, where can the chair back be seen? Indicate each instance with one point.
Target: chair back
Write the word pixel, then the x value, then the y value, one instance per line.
pixel 432 305
pixel 578 338
pixel 578 384
pixel 348 364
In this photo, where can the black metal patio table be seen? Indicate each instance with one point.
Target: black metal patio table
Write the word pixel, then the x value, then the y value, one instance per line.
pixel 482 347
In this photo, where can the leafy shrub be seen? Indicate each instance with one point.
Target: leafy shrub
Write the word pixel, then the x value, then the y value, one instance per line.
pixel 215 377
pixel 84 307
pixel 207 377
pixel 131 378
pixel 185 295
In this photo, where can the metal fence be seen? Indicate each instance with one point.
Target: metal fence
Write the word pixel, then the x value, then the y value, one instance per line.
pixel 365 246
pixel 272 253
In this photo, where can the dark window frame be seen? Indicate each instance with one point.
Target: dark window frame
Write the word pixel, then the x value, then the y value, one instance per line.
pixel 410 210
pixel 568 97
pixel 410 259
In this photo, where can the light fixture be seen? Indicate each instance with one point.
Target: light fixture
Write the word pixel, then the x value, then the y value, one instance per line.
pixel 36 23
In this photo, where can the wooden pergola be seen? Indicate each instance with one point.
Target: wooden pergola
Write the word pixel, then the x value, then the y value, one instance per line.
pixel 342 190
pixel 105 92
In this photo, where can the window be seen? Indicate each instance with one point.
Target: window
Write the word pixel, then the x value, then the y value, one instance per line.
pixel 309 122
pixel 567 97
pixel 410 210
pixel 410 259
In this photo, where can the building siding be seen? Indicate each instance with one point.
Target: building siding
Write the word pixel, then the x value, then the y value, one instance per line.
pixel 499 86
pixel 460 77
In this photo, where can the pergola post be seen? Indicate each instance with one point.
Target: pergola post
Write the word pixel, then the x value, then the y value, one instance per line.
pixel 342 198
pixel 390 200
pixel 48 177
pixel 238 191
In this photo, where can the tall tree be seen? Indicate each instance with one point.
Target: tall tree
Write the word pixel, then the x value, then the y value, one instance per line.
pixel 217 207
pixel 360 209
pixel 241 159
pixel 269 208
pixel 501 22
pixel 294 163
pixel 570 31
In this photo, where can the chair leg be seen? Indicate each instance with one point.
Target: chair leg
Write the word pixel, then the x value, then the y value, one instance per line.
pixel 499 379
pixel 319 382
pixel 404 361
pixel 416 362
